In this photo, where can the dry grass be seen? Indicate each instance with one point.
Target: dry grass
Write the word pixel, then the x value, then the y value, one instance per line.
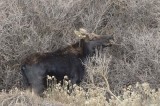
pixel 137 95
pixel 19 98
pixel 28 26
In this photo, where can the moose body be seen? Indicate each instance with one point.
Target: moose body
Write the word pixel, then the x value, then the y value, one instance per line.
pixel 67 61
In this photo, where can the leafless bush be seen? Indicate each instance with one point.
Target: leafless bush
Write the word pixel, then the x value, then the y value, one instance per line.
pixel 28 26
pixel 135 59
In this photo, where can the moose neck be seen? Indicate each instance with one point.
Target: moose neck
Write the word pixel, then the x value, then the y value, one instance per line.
pixel 82 49
pixel 87 50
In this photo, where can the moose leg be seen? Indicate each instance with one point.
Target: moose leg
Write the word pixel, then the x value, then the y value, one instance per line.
pixel 36 78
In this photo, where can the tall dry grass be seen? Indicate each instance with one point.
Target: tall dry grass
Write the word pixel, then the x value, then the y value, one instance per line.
pixel 28 26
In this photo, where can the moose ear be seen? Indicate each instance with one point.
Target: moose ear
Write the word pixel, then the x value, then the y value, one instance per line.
pixel 79 34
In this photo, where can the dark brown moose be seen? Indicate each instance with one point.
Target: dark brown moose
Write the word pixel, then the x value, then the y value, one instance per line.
pixel 67 61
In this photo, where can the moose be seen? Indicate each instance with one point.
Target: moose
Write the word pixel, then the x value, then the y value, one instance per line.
pixel 63 62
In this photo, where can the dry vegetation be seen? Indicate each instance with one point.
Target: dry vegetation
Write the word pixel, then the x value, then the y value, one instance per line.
pixel 28 26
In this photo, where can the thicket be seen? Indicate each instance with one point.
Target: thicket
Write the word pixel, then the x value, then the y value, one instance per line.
pixel 29 26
